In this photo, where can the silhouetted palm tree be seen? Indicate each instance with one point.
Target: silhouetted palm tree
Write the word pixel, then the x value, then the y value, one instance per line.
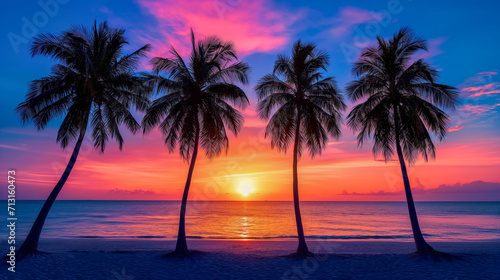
pixel 303 108
pixel 195 109
pixel 92 82
pixel 401 106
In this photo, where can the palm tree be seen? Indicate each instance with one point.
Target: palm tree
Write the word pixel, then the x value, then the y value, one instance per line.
pixel 195 109
pixel 400 108
pixel 303 108
pixel 91 82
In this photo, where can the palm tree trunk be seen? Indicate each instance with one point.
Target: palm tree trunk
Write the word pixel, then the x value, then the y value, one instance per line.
pixel 302 249
pixel 30 244
pixel 181 246
pixel 420 242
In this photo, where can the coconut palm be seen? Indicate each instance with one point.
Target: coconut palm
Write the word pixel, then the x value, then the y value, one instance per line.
pixel 401 105
pixel 302 107
pixel 196 109
pixel 92 82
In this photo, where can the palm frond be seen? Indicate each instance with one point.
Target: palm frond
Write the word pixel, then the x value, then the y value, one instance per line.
pixel 299 103
pixel 91 80
pixel 196 96
pixel 391 84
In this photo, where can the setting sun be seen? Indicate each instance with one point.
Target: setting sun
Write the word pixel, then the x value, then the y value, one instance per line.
pixel 245 186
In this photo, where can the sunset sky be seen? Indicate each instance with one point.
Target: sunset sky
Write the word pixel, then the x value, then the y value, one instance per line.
pixel 463 41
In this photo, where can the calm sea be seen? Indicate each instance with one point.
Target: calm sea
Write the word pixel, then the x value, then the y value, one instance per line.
pixel 262 220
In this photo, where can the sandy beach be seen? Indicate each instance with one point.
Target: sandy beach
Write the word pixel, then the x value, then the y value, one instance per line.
pixel 227 259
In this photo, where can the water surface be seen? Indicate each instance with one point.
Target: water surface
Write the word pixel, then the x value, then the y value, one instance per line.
pixel 262 220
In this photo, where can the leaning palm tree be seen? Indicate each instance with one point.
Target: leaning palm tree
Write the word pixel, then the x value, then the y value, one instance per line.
pixel 302 107
pixel 195 110
pixel 401 99
pixel 92 82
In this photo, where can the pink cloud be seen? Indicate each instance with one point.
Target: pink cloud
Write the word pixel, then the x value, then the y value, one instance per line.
pixel 105 10
pixel 348 18
pixel 252 119
pixel 251 115
pixel 433 47
pixel 456 128
pixel 254 26
pixel 488 73
pixel 478 109
pixel 12 147
pixel 475 82
pixel 485 93
pixel 483 90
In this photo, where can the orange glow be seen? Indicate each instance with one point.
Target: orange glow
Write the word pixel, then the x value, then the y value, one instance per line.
pixel 144 170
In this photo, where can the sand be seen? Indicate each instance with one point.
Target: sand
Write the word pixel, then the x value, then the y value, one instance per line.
pixel 226 259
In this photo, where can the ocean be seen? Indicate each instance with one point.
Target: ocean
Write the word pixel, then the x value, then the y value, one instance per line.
pixel 439 221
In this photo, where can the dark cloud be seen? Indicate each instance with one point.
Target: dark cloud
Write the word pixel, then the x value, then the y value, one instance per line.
pixel 370 193
pixel 134 193
pixel 473 191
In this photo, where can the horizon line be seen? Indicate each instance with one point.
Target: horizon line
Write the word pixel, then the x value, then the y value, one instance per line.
pixel 166 200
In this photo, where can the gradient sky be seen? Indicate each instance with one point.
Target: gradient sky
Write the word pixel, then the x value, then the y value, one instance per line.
pixel 463 43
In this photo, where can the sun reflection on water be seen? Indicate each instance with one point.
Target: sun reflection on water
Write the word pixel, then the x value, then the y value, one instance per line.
pixel 244 228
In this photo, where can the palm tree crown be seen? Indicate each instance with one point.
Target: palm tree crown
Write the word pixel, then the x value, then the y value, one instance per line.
pixel 199 93
pixel 402 98
pixel 302 94
pixel 93 80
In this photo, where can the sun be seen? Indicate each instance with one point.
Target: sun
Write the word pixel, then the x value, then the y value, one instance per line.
pixel 245 186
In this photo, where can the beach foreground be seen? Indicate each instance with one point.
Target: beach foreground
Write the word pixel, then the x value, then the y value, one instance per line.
pixel 228 259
